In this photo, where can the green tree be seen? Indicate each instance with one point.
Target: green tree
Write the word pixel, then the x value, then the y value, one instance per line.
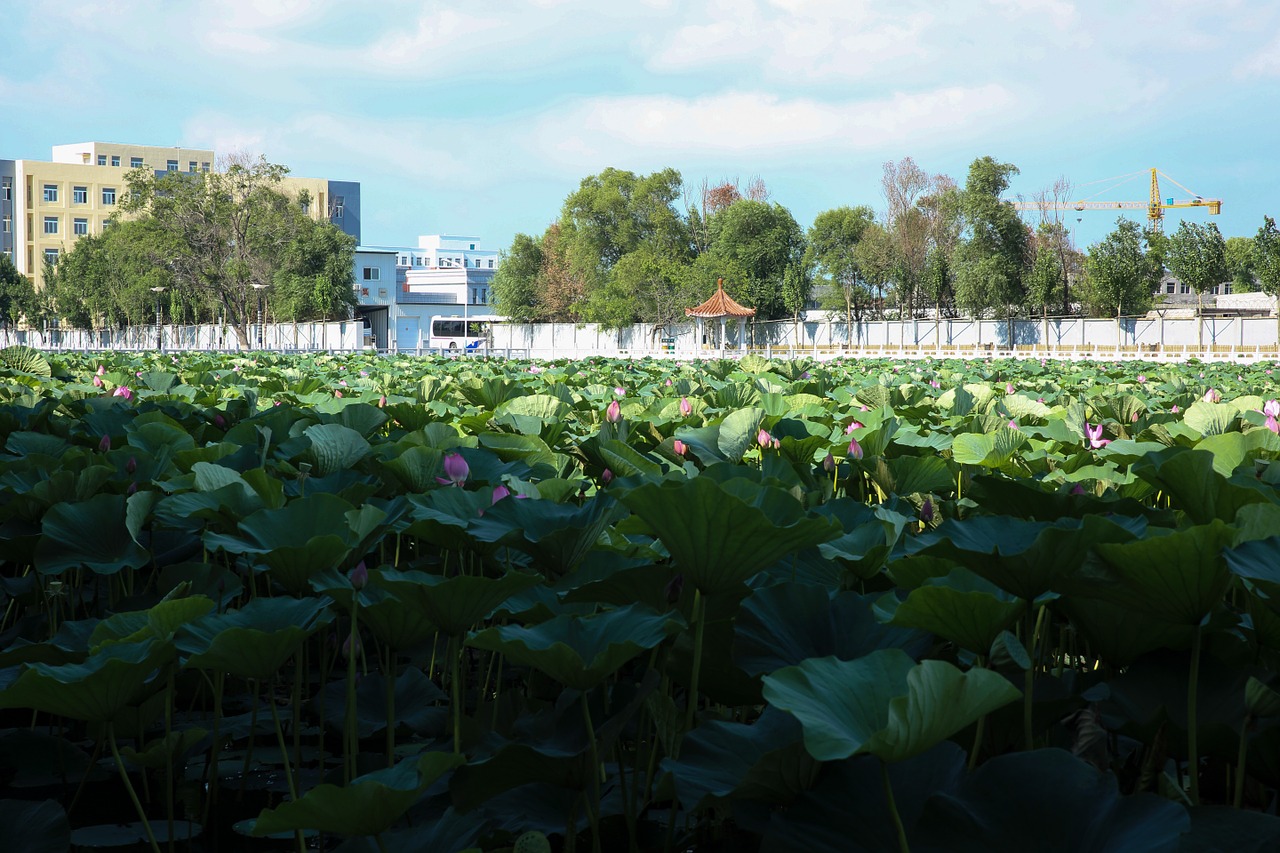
pixel 1240 264
pixel 874 256
pixel 1047 278
pixel 992 257
pixel 17 294
pixel 832 248
pixel 219 234
pixel 1266 262
pixel 1121 273
pixel 515 284
pixel 1197 256
pixel 647 287
pixel 765 242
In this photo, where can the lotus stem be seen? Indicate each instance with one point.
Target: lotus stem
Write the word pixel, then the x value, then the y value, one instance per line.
pixel 169 756
pixel 1238 801
pixel 982 722
pixel 1193 752
pixel 903 847
pixel 699 626
pixel 455 688
pixel 390 673
pixel 253 735
pixel 350 738
pixel 288 766
pixel 133 795
pixel 1029 678
pixel 597 772
pixel 295 699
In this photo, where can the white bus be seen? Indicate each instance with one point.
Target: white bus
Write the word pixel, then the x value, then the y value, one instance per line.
pixel 460 333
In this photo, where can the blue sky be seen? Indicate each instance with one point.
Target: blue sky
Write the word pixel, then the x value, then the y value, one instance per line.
pixel 480 117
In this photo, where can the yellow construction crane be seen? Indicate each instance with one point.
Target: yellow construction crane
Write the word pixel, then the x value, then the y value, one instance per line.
pixel 1155 206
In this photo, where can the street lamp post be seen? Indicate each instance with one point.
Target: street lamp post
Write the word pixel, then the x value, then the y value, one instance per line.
pixel 159 328
pixel 261 327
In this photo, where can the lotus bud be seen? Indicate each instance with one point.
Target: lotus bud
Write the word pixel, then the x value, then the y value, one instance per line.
pixel 606 477
pixel 133 488
pixel 219 421
pixel 855 449
pixel 1141 379
pixel 104 444
pixel 685 408
pixel 1008 388
pixel 456 469
pixel 499 492
pixel 1133 419
pixel 1212 396
pixel 123 391
pixel 131 465
pixel 1077 489
pixel 1174 408
pixel 102 370
pixel 933 383
pixel 359 576
pixel 678 447
pixel 619 390
pixel 382 401
pixel 829 463
pixel 926 511
pixel 348 651
pixel 851 427
pixel 1013 424
pixel 97 381
pixel 613 413
pixel 674 587
pixel 668 383
pixel 337 393
pixel 763 438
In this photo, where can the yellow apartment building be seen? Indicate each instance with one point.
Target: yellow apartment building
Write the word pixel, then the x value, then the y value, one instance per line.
pixel 45 206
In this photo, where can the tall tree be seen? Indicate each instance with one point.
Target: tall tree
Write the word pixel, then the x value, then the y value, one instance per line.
pixel 905 185
pixel 17 293
pixel 992 257
pixel 1240 264
pixel 1197 256
pixel 1046 279
pixel 765 242
pixel 832 246
pixel 515 284
pixel 1266 262
pixel 1121 273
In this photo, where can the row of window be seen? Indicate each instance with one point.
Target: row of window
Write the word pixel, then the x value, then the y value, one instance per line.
pixel 79 226
pixel 79 195
pixel 136 163
pixel 421 260
pixel 1185 289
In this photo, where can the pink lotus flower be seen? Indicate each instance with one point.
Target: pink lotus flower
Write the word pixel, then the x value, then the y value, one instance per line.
pixel 102 370
pixel 851 427
pixel 613 413
pixel 1008 388
pixel 1077 489
pixel 1271 409
pixel 97 381
pixel 359 576
pixel 620 391
pixel 763 438
pixel 456 470
pixel 926 511
pixel 123 391
pixel 678 447
pixel 829 463
pixel 364 373
pixel 499 492
pixel 337 393
pixel 341 382
pixel 855 449
pixel 864 408
pixel 1133 419
pixel 131 465
pixel 1094 434
pixel 1272 424
pixel 685 408
pixel 1174 408
pixel 933 383
pixel 535 369
pixel 1141 379
pixel 382 401
pixel 105 443
pixel 1013 424
pixel 1212 396
pixel 219 421
pixel 606 477
pixel 668 383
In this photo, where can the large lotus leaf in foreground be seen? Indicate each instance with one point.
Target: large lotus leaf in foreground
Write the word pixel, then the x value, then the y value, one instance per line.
pixel 256 640
pixel 1051 802
pixel 453 604
pixel 960 607
pixel 721 534
pixel 883 704
pixel 91 534
pixel 556 536
pixel 370 805
pixel 581 651
pixel 95 690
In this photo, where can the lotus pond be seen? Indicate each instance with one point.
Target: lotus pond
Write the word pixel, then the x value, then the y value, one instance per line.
pixel 366 604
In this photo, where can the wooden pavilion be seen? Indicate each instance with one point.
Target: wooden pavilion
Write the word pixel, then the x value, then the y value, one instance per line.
pixel 721 307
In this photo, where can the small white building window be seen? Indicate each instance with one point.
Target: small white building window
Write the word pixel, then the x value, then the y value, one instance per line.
pixel 51 225
pixel 50 192
pixel 79 195
pixel 115 159
pixel 80 227
pixel 102 159
pixel 135 162
pixel 490 264
pixel 108 196
pixel 171 165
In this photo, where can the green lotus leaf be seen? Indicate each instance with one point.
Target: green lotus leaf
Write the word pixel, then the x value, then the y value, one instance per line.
pixel 718 538
pixel 1194 486
pixel 25 360
pixel 254 641
pixel 33 827
pixel 453 604
pixel 1179 578
pixel 738 432
pixel 161 621
pixel 789 623
pixel 96 689
pixel 370 805
pixel 542 406
pixel 911 475
pixel 580 652
pixel 90 534
pixel 1211 418
pixel 883 704
pixel 961 608
pixel 1050 801
pixel 335 447
pixel 557 536
pixel 1118 634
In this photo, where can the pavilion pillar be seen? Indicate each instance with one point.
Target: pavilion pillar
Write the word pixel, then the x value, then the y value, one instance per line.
pixel 742 333
pixel 722 328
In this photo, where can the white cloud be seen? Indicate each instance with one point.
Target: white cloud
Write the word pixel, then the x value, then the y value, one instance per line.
pixel 1263 63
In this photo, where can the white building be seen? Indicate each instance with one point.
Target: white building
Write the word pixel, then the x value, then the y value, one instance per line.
pixel 401 288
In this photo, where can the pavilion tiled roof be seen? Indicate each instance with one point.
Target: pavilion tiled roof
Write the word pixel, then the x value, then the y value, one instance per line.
pixel 720 305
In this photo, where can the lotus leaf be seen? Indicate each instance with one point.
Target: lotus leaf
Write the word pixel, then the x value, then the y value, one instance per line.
pixel 97 689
